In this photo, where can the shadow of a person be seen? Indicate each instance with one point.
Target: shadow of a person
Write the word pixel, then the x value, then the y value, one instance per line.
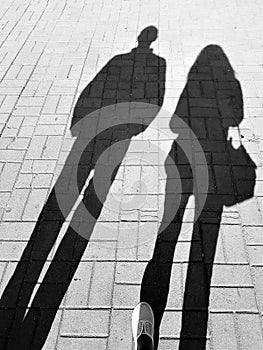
pixel 210 103
pixel 138 76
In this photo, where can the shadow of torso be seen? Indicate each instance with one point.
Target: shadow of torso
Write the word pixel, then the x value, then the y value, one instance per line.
pixel 138 76
pixel 135 77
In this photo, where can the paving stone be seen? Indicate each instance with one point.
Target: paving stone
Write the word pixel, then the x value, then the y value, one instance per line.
pixel 171 323
pixel 15 156
pixel 8 176
pixel 129 272
pixel 220 254
pixel 52 147
pixel 231 275
pixel 15 207
pixel 250 214
pixel 26 131
pixel 147 236
pixel 127 241
pixel 16 231
pixel 41 180
pixel 65 104
pixel 28 110
pixel 175 296
pixel 34 204
pixel 105 232
pixel 9 270
pixel 50 130
pixel 102 285
pixel 50 105
pixel 100 251
pixel 258 282
pixel 11 250
pixel 233 299
pixel 43 166
pixel 52 119
pixel 36 147
pixel 250 331
pixel 182 252
pixel 30 101
pixel 78 291
pixel 93 323
pixel 222 324
pixel 253 235
pixel 5 198
pixel 233 244
pixel 255 255
pixel 166 344
pixel 2 269
pixel 126 296
pixel 24 181
pixel 81 343
pixel 119 339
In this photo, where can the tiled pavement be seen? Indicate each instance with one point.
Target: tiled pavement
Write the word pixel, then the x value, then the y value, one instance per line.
pixel 49 51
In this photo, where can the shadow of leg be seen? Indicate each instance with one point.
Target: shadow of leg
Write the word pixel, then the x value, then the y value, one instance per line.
pixel 17 293
pixel 156 279
pixel 198 279
pixel 33 331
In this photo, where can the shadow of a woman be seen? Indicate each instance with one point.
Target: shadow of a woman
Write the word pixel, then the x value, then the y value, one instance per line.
pixel 210 104
pixel 136 76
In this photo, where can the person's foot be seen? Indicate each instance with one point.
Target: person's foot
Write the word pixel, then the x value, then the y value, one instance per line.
pixel 143 327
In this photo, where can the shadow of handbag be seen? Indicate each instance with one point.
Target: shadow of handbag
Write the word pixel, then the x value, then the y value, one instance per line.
pixel 243 170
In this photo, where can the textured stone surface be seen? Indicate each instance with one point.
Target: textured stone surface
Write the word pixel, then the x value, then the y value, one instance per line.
pixel 49 52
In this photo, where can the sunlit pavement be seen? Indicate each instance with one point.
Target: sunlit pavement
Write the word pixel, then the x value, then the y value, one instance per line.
pixel 49 51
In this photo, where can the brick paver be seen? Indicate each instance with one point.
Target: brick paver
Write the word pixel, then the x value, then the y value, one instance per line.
pixel 49 52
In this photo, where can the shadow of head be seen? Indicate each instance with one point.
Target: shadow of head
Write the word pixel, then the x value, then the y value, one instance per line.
pixel 147 36
pixel 212 80
pixel 227 88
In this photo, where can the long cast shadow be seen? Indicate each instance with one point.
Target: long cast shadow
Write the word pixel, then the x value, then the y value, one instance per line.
pixel 210 103
pixel 138 76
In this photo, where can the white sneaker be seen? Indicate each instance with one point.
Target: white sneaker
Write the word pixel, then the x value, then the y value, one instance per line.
pixel 142 323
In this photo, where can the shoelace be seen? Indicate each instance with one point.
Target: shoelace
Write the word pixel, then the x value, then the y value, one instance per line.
pixel 148 327
pixel 145 327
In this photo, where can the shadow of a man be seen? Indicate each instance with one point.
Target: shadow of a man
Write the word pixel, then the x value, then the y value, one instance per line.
pixel 138 76
pixel 210 104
